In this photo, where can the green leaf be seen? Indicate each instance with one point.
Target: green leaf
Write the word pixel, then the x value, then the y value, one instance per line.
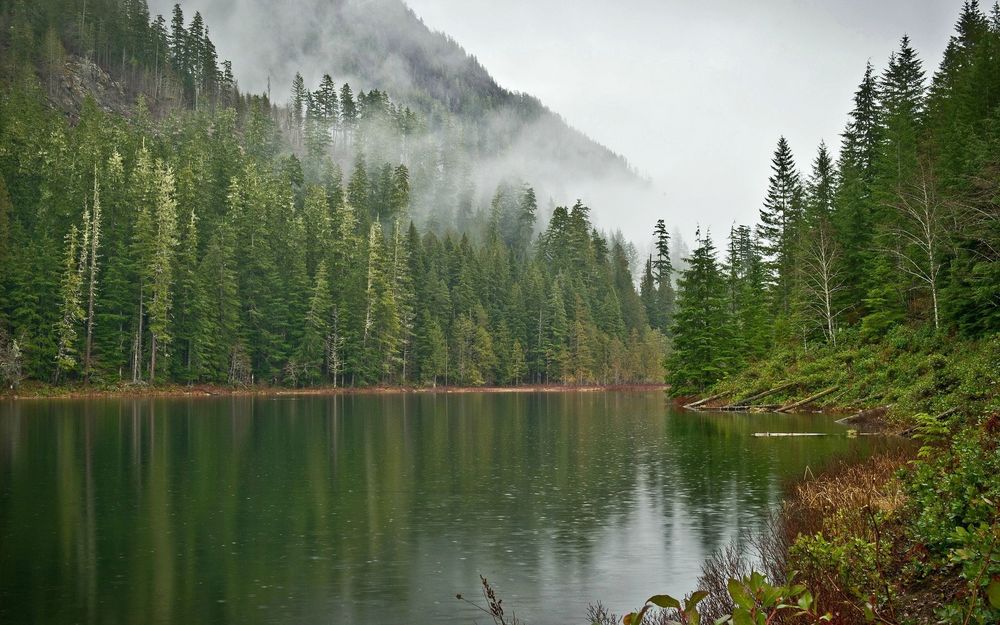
pixel 696 598
pixel 664 601
pixel 739 594
pixel 742 617
pixel 993 592
pixel 806 600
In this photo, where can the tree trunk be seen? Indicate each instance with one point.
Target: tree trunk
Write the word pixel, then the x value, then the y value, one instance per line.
pixel 137 350
pixel 152 360
pixel 808 400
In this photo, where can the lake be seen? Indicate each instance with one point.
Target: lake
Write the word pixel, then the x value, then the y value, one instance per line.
pixel 376 508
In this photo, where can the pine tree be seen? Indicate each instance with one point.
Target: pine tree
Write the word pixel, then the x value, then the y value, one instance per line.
pixel 747 293
pixel 961 93
pixel 158 267
pixel 901 96
pixel 314 347
pixel 432 350
pixel 327 99
pixel 702 341
pixel 779 219
pixel 92 266
pixel 526 216
pixel 381 330
pixel 348 111
pixel 178 41
pixel 299 95
pixel 821 269
pixel 663 271
pixel 70 310
pixel 221 331
pixel 190 304
pixel 648 295
pixel 853 217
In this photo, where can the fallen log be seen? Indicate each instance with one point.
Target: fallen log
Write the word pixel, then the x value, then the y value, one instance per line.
pixel 746 400
pixel 702 402
pixel 808 400
pixel 748 408
pixel 784 434
pixel 865 415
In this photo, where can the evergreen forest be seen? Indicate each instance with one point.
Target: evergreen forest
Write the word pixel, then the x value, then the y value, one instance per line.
pixel 158 225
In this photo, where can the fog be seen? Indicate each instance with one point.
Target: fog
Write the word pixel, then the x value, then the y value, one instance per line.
pixel 694 94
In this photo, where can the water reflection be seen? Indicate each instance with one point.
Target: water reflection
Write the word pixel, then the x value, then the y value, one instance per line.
pixel 373 508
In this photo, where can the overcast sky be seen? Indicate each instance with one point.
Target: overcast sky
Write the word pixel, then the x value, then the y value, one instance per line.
pixel 695 94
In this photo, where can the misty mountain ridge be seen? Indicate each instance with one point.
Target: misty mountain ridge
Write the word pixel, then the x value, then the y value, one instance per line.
pixel 384 45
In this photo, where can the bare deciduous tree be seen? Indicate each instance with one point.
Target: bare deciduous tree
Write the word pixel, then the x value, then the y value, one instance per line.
pixel 926 224
pixel 822 277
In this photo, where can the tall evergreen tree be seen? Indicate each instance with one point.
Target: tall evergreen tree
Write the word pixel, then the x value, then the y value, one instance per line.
pixel 702 340
pixel 780 218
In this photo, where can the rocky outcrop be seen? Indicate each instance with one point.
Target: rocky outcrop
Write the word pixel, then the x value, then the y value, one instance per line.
pixel 82 77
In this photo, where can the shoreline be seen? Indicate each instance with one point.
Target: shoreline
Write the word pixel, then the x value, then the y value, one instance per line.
pixel 42 391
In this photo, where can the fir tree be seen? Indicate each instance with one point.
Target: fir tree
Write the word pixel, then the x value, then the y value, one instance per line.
pixel 779 219
pixel 702 341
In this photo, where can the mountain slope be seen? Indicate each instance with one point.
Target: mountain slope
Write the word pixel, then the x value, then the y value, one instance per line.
pixel 383 44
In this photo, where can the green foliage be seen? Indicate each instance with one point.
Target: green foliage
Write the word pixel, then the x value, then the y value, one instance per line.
pixel 702 337
pixel 756 601
pixel 912 369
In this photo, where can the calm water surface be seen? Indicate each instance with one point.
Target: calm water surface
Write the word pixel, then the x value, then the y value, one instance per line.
pixel 375 508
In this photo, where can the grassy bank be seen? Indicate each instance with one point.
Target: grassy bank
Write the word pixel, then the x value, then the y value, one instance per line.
pixel 910 371
pixel 911 536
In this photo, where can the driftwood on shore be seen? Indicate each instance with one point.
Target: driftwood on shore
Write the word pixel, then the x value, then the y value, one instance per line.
pixel 746 401
pixel 808 400
pixel 787 434
pixel 749 408
pixel 702 402
pixel 865 416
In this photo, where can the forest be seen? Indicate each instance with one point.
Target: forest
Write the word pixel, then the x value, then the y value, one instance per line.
pixel 902 229
pixel 157 225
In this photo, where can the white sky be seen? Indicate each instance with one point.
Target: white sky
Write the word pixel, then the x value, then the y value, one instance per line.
pixel 695 94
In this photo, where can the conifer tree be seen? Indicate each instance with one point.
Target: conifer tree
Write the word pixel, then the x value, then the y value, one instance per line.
pixel 178 40
pixel 747 284
pixel 299 95
pixel 326 97
pixel 158 267
pixel 779 219
pixel 702 341
pixel 314 346
pixel 92 266
pixel 901 97
pixel 348 111
pixel 853 217
pixel 69 306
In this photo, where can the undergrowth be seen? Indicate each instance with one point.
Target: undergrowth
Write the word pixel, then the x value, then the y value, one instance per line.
pixel 913 370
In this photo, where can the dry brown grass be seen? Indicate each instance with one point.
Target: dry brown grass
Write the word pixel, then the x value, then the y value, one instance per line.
pixel 850 504
pixel 846 490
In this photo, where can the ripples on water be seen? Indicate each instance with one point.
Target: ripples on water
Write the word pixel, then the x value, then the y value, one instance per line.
pixel 375 508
